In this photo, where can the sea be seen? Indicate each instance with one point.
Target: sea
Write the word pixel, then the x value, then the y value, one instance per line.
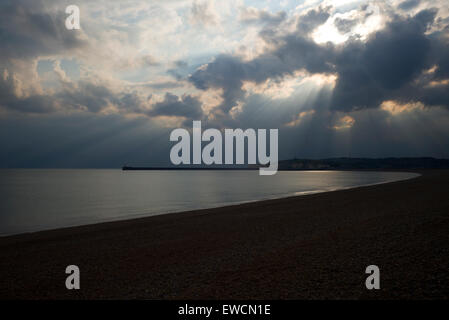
pixel 42 199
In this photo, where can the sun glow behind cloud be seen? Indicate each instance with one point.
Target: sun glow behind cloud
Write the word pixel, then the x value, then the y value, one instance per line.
pixel 357 25
pixel 329 33
pixel 345 122
pixel 395 108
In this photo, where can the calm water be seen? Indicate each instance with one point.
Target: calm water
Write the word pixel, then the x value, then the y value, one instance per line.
pixel 35 200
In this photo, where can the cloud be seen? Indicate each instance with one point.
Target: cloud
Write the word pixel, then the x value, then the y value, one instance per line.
pixel 293 52
pixel 381 88
pixel 26 31
pixel 345 122
pixel 13 97
pixel 253 15
pixel 384 67
pixel 88 96
pixel 387 65
pixel 138 62
pixel 203 13
pixel 409 4
pixel 345 25
pixel 227 72
pixel 186 106
pixel 84 95
pixel 312 19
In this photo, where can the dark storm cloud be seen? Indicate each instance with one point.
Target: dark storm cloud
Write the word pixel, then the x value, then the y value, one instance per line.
pixel 295 51
pixel 130 102
pixel 87 95
pixel 225 72
pixel 385 67
pixel 26 31
pixel 172 105
pixel 440 54
pixel 312 19
pixel 228 72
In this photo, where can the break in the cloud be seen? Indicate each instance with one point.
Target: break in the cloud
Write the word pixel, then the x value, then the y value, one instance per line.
pixel 347 78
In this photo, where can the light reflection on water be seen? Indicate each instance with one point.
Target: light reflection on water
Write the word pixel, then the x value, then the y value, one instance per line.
pixel 42 199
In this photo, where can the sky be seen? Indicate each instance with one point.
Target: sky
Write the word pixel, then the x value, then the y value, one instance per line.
pixel 336 78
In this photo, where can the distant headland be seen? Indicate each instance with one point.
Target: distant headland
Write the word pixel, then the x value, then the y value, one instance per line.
pixel 327 164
